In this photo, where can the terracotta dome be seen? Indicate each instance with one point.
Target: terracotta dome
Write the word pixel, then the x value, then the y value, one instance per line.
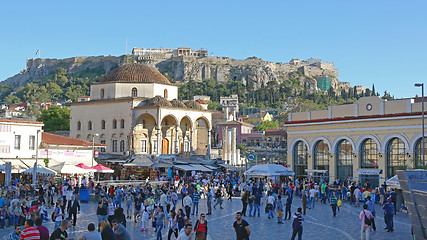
pixel 135 73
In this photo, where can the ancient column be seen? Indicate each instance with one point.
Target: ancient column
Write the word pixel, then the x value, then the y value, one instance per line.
pixel 209 143
pixel 191 140
pixel 176 140
pixel 233 145
pixel 159 141
pixel 224 144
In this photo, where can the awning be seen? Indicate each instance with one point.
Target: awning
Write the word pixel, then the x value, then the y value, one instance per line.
pixel 40 171
pixel 315 171
pixel 210 167
pixel 184 167
pixel 229 167
pixel 202 168
pixel 369 171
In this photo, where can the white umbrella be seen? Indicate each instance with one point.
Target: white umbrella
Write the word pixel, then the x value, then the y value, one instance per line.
pixel 70 169
pixel 40 171
pixel 393 182
pixel 269 170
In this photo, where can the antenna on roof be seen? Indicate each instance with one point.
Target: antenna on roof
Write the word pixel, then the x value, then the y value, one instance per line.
pixel 126 46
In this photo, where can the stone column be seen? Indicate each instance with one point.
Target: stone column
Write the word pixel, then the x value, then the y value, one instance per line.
pixel 191 140
pixel 356 164
pixel 229 147
pixel 209 143
pixel 224 144
pixel 382 164
pixel 332 167
pixel 176 140
pixel 159 141
pixel 233 145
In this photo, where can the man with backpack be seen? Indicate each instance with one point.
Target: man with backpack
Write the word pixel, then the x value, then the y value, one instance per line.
pixel 297 224
pixel 366 217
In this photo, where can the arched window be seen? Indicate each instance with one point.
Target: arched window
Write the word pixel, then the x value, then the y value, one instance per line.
pixel 300 158
pixel 114 124
pixel 122 145
pixel 103 124
pixel 122 123
pixel 396 157
pixel 321 156
pixel 418 156
pixel 344 159
pixel 165 93
pixel 102 93
pixel 134 92
pixel 369 159
pixel 79 126
pixel 89 125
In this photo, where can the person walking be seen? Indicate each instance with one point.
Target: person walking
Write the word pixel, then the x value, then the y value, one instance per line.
pixel 244 200
pixel 371 208
pixel 186 235
pixel 129 199
pixel 357 195
pixel 251 200
pixel 196 197
pixel 73 209
pixel 241 227
pixel 297 224
pixel 393 196
pixel 270 205
pixel 288 206
pixel 312 193
pixel 257 203
pixel 160 222
pixel 304 202
pixel 187 205
pixel 279 209
pixel 333 202
pixel 366 217
pixel 201 228
pixel 102 211
pixel 15 235
pixel 218 195
pixel 209 197
pixel 145 215
pixel 58 214
pixel 173 225
pixel 388 215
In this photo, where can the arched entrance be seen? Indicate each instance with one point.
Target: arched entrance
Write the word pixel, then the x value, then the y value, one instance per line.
pixel 369 159
pixel 344 159
pixel 202 128
pixel 418 155
pixel 300 158
pixel 396 157
pixel 165 146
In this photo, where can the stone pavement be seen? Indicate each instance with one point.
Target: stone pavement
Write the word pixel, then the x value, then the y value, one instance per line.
pixel 318 224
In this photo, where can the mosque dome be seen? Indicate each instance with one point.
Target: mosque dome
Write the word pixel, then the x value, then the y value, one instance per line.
pixel 135 73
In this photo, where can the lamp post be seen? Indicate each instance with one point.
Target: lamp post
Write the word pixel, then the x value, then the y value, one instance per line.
pixel 93 146
pixel 422 99
pixel 37 158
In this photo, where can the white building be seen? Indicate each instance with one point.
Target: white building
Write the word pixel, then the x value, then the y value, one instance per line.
pixel 134 109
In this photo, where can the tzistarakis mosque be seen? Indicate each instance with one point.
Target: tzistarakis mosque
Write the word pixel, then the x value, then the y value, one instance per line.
pixel 135 108
pixel 368 139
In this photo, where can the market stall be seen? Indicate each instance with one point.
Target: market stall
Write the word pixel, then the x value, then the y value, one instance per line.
pixel 269 170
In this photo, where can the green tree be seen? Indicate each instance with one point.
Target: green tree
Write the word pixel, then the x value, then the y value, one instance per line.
pixel 268 125
pixel 5 90
pixel 213 105
pixel 11 99
pixel 54 90
pixel 55 119
pixel 33 110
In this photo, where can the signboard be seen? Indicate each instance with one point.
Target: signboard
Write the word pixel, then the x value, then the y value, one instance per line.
pixel 96 153
pixel 251 157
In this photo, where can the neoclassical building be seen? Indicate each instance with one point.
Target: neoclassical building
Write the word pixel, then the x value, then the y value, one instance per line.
pixel 368 139
pixel 135 108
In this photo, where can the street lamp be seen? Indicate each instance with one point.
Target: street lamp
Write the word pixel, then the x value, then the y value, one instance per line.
pixel 422 99
pixel 37 158
pixel 93 145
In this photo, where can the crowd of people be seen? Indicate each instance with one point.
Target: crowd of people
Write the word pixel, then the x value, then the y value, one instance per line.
pixel 174 205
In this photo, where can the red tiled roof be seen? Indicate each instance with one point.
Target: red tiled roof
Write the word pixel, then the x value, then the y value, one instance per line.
pixel 19 121
pixel 54 139
pixel 201 101
pixel 355 118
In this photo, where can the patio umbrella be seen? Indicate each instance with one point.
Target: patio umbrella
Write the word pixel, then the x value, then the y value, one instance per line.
pixel 103 169
pixel 81 165
pixel 69 169
pixel 40 171
pixel 269 170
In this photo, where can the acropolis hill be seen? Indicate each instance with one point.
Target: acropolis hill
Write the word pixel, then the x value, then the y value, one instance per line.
pixel 185 64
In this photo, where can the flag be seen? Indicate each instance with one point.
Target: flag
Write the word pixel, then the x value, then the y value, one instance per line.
pixel 38 51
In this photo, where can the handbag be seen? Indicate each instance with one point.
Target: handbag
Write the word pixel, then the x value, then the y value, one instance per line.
pixel 154 224
pixel 368 221
pixel 339 203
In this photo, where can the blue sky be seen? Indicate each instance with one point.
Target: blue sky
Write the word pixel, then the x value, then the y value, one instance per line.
pixel 371 42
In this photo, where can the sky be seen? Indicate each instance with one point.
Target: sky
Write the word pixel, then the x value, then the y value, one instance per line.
pixel 371 42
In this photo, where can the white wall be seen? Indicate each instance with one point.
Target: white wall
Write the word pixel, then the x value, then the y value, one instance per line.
pixel 121 90
pixel 8 131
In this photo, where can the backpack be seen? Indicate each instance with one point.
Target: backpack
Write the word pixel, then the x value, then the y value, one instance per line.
pixel 53 215
pixel 368 221
pixel 296 223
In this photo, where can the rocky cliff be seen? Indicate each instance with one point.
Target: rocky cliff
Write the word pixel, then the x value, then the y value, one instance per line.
pixel 253 72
